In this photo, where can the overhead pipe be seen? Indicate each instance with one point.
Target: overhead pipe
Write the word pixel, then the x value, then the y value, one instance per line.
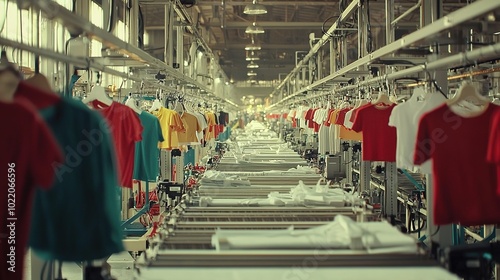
pixel 405 14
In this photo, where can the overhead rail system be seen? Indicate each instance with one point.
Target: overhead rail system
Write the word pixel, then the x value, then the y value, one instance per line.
pixel 424 34
pixel 132 55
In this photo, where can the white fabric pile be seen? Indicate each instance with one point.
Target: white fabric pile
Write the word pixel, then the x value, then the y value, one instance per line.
pixel 342 233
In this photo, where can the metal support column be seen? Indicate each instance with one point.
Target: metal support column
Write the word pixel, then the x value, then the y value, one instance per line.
pixel 310 69
pixel 133 24
pixel 193 60
pixel 389 18
pixel 165 165
pixel 348 159
pixel 344 51
pixel 319 64
pixel 391 190
pixel 333 56
pixel 179 169
pixel 303 77
pixel 365 176
pixel 180 48
pixel 169 31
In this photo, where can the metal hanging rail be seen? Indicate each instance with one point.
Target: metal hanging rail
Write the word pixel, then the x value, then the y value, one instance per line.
pixel 78 61
pixel 455 18
pixel 324 39
pixel 78 25
pixel 484 53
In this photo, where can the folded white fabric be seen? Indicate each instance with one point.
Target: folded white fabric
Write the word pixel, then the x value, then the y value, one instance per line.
pixel 342 233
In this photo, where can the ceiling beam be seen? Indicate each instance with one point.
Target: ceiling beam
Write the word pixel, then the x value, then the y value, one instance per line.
pixel 264 46
pixel 243 3
pixel 264 24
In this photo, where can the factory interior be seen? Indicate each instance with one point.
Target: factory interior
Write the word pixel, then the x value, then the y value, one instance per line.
pixel 250 139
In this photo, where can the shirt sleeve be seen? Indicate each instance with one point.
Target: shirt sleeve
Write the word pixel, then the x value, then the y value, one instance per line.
pixel 159 131
pixel 393 119
pixel 178 125
pixel 494 141
pixel 48 155
pixel 198 125
pixel 357 124
pixel 422 150
pixel 134 126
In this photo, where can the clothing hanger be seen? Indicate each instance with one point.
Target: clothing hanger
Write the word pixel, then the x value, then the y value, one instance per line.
pixel 131 103
pixel 417 93
pixel 382 99
pixel 467 92
pixel 156 103
pixel 98 93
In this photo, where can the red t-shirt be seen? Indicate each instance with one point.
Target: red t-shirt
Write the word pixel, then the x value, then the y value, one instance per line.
pixel 464 183
pixel 355 112
pixel 494 146
pixel 341 117
pixel 126 128
pixel 309 118
pixel 379 139
pixel 27 161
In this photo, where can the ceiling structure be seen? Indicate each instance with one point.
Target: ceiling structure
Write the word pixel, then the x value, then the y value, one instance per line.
pixel 287 24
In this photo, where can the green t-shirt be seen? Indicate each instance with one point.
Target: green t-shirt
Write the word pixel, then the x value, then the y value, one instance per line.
pixel 147 153
pixel 78 219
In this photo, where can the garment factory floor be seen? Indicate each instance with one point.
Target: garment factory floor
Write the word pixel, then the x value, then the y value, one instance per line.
pixel 121 268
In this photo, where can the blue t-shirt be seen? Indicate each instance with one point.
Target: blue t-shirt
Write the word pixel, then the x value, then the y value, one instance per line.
pixel 78 219
pixel 147 153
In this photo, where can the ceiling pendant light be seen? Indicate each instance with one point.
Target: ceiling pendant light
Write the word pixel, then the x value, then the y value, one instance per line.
pixel 251 74
pixel 253 46
pixel 252 65
pixel 254 29
pixel 255 9
pixel 252 57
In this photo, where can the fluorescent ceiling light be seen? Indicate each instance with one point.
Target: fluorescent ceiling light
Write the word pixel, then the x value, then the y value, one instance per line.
pixel 252 65
pixel 253 47
pixel 255 9
pixel 254 29
pixel 252 58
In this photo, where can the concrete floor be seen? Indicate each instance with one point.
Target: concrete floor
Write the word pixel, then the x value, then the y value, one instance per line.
pixel 121 268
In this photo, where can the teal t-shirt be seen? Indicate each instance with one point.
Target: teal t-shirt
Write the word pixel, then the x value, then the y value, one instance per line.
pixel 147 153
pixel 78 219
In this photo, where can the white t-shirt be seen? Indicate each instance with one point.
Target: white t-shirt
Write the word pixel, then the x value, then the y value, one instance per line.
pixel 201 122
pixel 406 117
pixel 302 117
pixel 347 120
pixel 320 117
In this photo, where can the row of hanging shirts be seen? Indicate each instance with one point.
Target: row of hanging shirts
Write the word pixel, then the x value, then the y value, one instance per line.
pixel 68 160
pixel 456 140
pixel 63 173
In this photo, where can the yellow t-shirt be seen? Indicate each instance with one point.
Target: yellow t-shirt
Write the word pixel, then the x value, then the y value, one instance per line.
pixel 192 127
pixel 211 126
pixel 171 124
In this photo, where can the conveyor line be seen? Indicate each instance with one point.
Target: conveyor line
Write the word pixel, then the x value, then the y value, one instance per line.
pixel 292 258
